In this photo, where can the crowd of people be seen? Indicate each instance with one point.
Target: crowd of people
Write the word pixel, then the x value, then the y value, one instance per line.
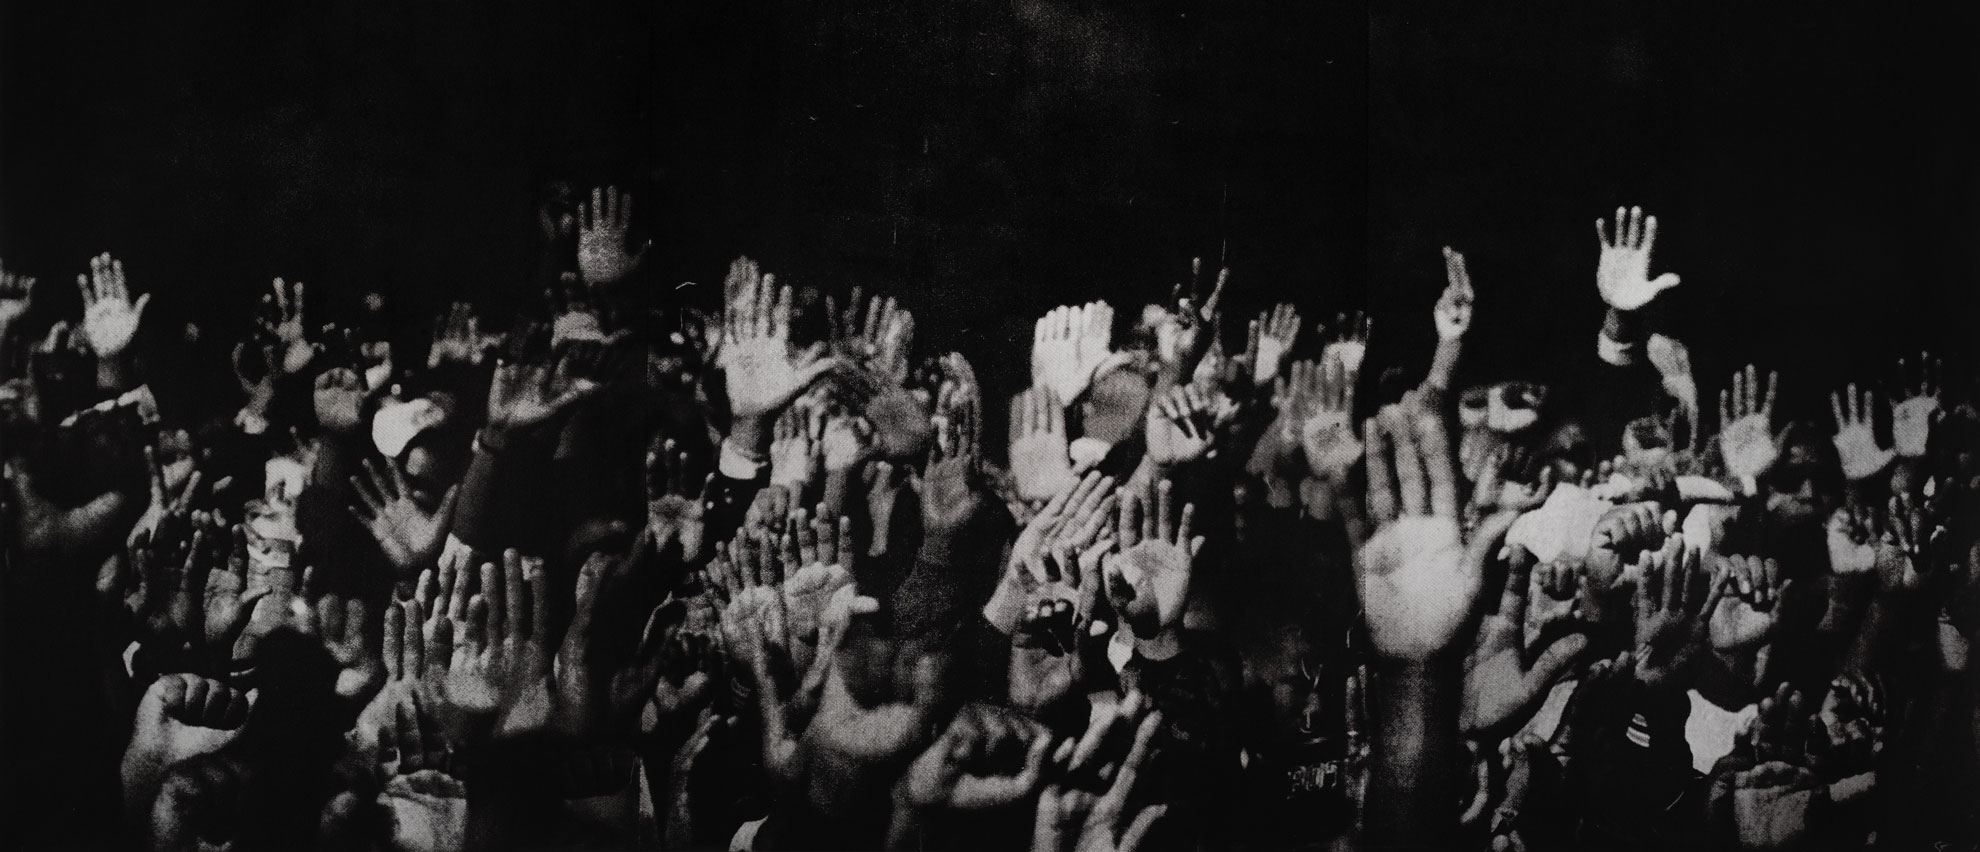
pixel 628 572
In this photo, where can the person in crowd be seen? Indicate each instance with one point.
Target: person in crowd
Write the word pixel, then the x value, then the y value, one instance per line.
pixel 631 572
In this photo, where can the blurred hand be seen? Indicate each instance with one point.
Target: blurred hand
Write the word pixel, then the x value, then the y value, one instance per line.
pixel 282 325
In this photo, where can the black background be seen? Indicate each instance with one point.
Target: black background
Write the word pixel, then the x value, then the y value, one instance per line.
pixel 1813 168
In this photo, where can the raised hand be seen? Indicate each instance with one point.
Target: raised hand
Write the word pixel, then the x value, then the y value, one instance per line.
pixel 764 372
pixel 1452 314
pixel 1675 601
pixel 227 604
pixel 1622 275
pixel 410 535
pixel 817 557
pixel 110 317
pixel 1073 520
pixel 797 454
pixel 1916 410
pixel 1746 433
pixel 1272 334
pixel 1192 327
pixel 1856 435
pixel 457 338
pixel 1040 466
pixel 1056 364
pixel 1148 580
pixel 163 502
pixel 339 400
pixel 1072 818
pixel 1417 575
pixel 505 650
pixel 988 757
pixel 282 325
pixel 16 296
pixel 1749 614
pixel 1898 537
pixel 601 251
pixel 676 512
pixel 880 344
pixel 1499 685
pixel 1183 426
pixel 1096 340
pixel 525 396
pixel 1323 399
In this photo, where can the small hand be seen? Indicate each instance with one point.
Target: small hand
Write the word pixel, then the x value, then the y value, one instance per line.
pixel 1272 337
pixel 601 255
pixel 1323 405
pixel 1916 411
pixel 457 338
pixel 675 511
pixel 1856 436
pixel 110 318
pixel 282 324
pixel 1746 436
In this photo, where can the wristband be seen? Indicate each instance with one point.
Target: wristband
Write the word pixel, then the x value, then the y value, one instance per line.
pixel 737 463
pixel 1614 351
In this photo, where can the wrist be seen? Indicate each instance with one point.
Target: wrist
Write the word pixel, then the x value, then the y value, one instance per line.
pixel 110 372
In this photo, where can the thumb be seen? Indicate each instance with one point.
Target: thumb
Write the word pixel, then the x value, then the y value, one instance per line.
pixel 1557 657
pixel 1664 282
pixel 137 307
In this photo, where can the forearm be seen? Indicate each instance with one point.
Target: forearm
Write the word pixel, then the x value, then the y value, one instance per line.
pixel 1411 794
pixel 1443 367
